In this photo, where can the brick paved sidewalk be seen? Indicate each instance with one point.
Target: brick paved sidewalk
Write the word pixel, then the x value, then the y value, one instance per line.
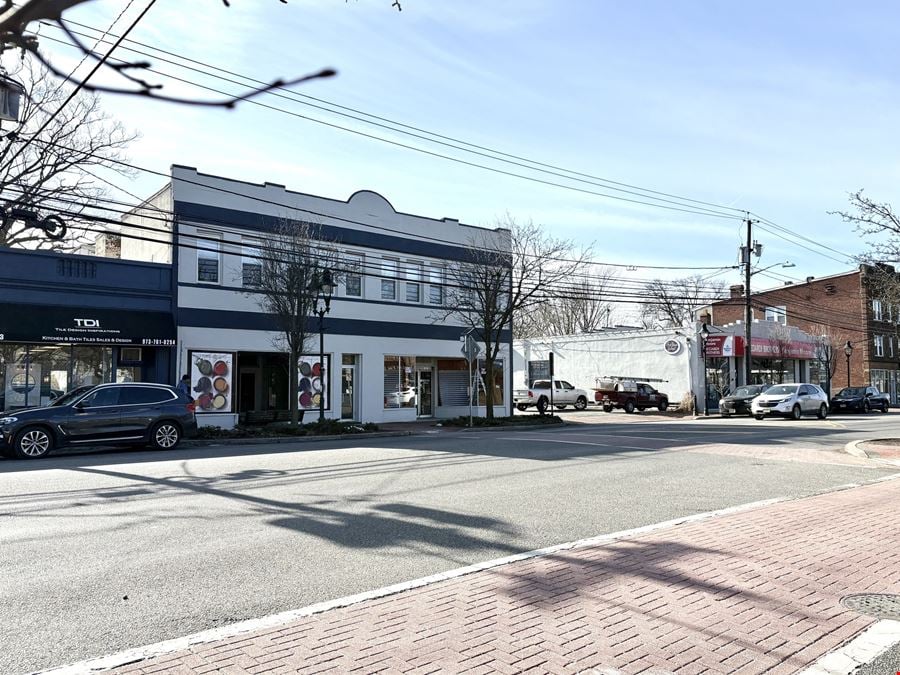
pixel 750 592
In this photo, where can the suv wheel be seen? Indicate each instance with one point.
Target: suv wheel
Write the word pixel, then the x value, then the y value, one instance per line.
pixel 165 436
pixel 663 405
pixel 33 442
pixel 629 406
pixel 581 403
pixel 823 412
pixel 796 412
pixel 521 407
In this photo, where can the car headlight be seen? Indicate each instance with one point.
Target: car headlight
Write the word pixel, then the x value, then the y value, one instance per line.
pixel 8 420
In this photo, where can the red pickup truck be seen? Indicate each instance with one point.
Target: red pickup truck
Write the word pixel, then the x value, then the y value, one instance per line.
pixel 629 396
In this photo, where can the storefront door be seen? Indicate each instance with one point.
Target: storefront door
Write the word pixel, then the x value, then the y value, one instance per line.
pixel 348 392
pixel 424 393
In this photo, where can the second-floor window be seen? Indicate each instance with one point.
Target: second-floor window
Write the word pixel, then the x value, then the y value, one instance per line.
pixel 414 282
pixel 389 279
pixel 879 345
pixel 777 314
pixel 435 286
pixel 251 265
pixel 876 310
pixel 207 258
pixel 890 346
pixel 353 275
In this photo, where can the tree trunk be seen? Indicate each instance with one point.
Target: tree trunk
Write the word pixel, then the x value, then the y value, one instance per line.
pixel 292 388
pixel 489 386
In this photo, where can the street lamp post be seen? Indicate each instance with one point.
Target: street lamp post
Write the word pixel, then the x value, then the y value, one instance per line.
pixel 848 351
pixel 323 285
pixel 704 336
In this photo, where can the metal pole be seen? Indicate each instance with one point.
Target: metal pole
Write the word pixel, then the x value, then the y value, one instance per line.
pixel 471 391
pixel 747 311
pixel 705 385
pixel 322 365
pixel 552 382
pixel 848 370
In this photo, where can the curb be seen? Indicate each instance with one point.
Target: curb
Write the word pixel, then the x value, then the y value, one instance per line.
pixel 853 448
pixel 875 650
pixel 206 442
pixel 145 652
pixel 515 427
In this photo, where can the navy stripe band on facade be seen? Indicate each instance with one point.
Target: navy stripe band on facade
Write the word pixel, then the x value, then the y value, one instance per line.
pixel 215 216
pixel 210 318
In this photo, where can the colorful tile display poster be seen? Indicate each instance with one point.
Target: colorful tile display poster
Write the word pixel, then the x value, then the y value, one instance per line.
pixel 312 382
pixel 211 381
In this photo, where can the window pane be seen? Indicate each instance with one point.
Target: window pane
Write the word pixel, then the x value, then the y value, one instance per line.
pixel 412 292
pixel 353 285
pixel 407 382
pixel 388 289
pixel 389 267
pixel 251 274
pixel 103 397
pixel 391 381
pixel 91 365
pixel 146 395
pixel 436 295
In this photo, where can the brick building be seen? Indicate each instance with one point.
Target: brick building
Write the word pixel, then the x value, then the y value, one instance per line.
pixel 837 309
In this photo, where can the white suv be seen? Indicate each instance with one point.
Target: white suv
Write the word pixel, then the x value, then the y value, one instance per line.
pixel 791 400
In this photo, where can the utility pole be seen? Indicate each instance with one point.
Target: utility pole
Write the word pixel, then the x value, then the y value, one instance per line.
pixel 745 258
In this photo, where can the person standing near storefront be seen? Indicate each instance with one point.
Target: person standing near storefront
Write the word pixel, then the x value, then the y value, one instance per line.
pixel 184 387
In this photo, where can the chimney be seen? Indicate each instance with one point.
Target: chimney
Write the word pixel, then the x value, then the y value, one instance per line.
pixel 736 291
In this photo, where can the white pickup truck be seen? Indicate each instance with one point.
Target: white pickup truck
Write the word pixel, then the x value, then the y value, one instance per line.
pixel 538 394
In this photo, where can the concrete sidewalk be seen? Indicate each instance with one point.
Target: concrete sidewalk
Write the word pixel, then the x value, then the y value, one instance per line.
pixel 754 591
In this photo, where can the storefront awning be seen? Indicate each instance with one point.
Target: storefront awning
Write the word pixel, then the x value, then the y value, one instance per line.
pixel 54 324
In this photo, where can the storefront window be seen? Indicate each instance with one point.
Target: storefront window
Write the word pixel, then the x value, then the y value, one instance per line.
pixel 50 364
pixel 773 371
pixel 399 382
pixel 484 379
pixel 91 365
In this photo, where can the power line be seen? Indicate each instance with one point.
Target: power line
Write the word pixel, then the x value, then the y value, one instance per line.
pixel 100 61
pixel 295 208
pixel 496 155
pixel 684 208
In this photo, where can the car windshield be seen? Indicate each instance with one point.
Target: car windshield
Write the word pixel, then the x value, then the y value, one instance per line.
pixel 746 391
pixel 68 397
pixel 847 392
pixel 782 389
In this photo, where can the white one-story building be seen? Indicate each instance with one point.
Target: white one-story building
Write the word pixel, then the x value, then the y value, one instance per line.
pixel 390 352
pixel 660 356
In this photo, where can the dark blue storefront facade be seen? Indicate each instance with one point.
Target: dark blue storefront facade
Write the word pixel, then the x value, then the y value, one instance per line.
pixel 68 320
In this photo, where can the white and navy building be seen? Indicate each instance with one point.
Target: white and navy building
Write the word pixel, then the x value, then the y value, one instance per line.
pixel 390 353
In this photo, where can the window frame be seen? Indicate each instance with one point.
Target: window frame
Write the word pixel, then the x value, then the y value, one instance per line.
pixel 389 271
pixel 211 244
pixel 250 251
pixel 876 309
pixel 354 265
pixel 779 312
pixel 879 345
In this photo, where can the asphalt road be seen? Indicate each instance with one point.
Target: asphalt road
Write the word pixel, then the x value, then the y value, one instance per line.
pixel 102 552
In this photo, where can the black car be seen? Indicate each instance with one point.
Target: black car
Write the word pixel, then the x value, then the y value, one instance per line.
pixel 114 414
pixel 738 401
pixel 860 399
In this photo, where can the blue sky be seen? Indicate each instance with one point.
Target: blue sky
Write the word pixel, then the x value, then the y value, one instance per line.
pixel 779 108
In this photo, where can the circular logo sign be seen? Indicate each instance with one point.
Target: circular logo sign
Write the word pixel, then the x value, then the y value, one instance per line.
pixel 672 347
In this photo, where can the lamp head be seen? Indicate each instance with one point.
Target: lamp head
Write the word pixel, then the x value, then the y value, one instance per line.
pixel 848 348
pixel 704 331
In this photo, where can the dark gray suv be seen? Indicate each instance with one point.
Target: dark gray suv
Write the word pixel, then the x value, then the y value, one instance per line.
pixel 108 414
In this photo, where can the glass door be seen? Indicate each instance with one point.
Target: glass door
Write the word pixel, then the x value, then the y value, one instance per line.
pixel 424 393
pixel 348 380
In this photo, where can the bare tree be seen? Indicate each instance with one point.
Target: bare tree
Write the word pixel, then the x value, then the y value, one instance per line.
pixel 672 303
pixel 578 308
pixel 15 21
pixel 507 273
pixel 291 260
pixel 781 347
pixel 879 225
pixel 830 342
pixel 50 173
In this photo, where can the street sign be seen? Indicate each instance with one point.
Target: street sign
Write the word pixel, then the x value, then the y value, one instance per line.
pixel 470 349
